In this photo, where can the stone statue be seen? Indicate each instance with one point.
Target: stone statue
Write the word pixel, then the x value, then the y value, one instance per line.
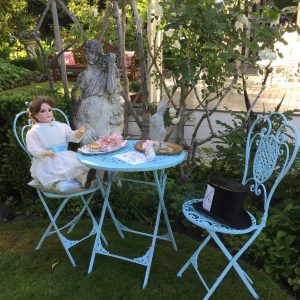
pixel 100 105
pixel 158 131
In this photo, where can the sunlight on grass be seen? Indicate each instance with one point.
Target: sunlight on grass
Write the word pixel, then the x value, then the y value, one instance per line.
pixel 48 274
pixel 58 86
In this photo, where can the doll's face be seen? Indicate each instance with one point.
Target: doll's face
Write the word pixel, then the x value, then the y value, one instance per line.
pixel 45 115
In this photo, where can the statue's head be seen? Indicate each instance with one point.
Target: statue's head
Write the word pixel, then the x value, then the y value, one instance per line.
pixel 92 51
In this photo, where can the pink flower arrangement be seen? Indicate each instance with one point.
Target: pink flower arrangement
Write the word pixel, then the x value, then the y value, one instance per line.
pixel 150 143
pixel 114 140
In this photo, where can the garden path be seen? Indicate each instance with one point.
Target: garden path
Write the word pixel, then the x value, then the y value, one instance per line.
pixel 270 98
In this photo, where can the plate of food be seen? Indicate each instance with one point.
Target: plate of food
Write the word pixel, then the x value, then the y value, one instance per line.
pixel 100 148
pixel 168 149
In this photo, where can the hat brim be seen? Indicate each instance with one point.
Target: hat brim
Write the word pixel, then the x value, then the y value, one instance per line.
pixel 243 221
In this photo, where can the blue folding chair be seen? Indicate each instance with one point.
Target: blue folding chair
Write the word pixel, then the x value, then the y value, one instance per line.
pixel 275 144
pixel 20 127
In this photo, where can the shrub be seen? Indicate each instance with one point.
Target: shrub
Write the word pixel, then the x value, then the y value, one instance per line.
pixel 11 74
pixel 26 62
pixel 135 86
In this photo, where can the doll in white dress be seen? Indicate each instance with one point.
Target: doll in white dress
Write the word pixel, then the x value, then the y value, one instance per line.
pixel 47 141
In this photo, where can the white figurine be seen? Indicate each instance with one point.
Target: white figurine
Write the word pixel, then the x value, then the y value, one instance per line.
pixel 149 147
pixel 157 127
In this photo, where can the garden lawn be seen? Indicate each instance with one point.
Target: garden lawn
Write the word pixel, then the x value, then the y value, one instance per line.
pixel 47 274
pixel 58 86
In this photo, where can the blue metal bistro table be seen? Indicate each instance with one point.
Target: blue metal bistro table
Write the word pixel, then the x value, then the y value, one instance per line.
pixel 108 162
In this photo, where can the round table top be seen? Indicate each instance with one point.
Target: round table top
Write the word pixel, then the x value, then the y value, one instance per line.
pixel 109 162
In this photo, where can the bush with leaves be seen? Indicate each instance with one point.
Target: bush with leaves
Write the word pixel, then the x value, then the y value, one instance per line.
pixel 28 63
pixel 10 75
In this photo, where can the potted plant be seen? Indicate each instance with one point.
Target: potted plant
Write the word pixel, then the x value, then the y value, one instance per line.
pixel 135 92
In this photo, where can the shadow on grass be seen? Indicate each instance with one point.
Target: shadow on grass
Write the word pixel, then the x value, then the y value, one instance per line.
pixel 48 274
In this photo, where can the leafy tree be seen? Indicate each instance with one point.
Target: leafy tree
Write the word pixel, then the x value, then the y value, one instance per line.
pixel 8 10
pixel 207 42
pixel 91 15
pixel 18 17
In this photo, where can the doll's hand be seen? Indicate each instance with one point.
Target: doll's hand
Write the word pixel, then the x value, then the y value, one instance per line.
pixel 48 154
pixel 80 132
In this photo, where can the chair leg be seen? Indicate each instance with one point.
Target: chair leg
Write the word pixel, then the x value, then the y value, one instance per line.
pixel 84 208
pixel 53 223
pixel 233 263
pixel 78 217
pixel 95 224
pixel 194 261
pixel 60 208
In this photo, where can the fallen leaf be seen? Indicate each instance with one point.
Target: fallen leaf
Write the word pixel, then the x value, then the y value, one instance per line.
pixel 55 264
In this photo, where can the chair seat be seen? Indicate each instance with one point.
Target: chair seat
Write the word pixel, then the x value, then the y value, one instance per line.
pixel 56 193
pixel 204 221
pixel 70 193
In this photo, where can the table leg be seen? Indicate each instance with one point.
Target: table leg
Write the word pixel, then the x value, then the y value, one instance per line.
pixel 103 192
pixel 161 185
pixel 146 260
pixel 152 247
pixel 97 244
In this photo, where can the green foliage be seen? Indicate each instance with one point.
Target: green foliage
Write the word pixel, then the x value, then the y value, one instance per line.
pixel 203 39
pixel 11 74
pixel 15 18
pixel 285 3
pixel 14 163
pixel 91 17
pixel 140 200
pixel 168 62
pixel 25 62
pixel 135 86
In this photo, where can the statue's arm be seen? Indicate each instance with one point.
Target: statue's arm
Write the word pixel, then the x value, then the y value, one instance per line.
pixel 111 78
pixel 73 92
pixel 77 86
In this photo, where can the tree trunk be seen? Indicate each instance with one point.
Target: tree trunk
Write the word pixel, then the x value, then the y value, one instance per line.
pixel 58 41
pixel 143 70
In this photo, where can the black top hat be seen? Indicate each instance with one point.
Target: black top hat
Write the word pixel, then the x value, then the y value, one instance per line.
pixel 224 201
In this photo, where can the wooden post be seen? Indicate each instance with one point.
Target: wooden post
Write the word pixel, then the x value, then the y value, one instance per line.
pixel 124 71
pixel 298 20
pixel 154 92
pixel 58 42
pixel 143 70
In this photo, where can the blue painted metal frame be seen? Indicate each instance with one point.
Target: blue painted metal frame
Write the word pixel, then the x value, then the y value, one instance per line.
pixel 43 195
pixel 276 142
pixel 113 165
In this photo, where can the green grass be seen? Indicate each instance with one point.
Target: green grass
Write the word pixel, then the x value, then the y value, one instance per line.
pixel 47 273
pixel 58 86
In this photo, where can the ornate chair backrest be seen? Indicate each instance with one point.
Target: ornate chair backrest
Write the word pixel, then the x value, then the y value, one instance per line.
pixel 276 143
pixel 22 123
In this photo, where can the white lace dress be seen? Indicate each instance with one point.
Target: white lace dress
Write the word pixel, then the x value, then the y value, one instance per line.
pixel 65 165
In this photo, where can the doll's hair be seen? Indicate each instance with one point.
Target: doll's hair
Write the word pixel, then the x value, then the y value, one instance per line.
pixel 35 106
